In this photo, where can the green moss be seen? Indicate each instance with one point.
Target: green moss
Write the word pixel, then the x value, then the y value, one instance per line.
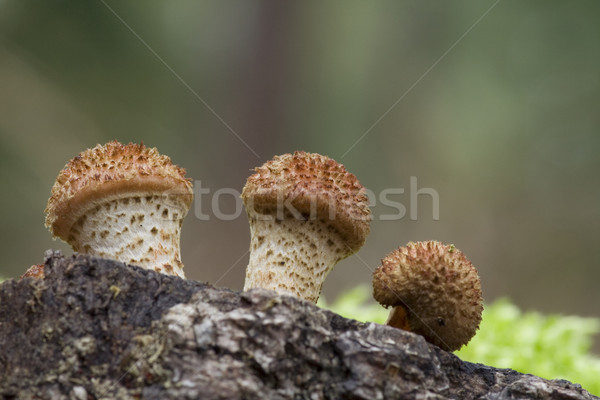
pixel 550 346
pixel 139 363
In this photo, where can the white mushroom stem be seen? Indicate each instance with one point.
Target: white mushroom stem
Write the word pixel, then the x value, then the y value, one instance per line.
pixel 292 256
pixel 139 229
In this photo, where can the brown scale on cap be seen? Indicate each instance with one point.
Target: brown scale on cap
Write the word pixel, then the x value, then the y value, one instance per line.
pixel 306 213
pixel 435 292
pixel 125 202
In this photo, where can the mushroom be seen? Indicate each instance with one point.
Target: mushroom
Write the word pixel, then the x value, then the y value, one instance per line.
pixel 306 213
pixel 124 202
pixel 434 290
pixel 35 271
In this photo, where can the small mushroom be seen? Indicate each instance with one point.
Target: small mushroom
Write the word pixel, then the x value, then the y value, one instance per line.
pixel 124 202
pixel 35 271
pixel 306 213
pixel 434 290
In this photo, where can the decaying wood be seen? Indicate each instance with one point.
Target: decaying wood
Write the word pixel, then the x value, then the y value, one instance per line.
pixel 97 329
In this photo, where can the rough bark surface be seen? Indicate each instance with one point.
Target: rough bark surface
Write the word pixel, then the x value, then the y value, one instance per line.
pixel 98 329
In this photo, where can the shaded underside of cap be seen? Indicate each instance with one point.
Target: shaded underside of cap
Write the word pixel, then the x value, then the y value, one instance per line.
pixel 311 186
pixel 108 172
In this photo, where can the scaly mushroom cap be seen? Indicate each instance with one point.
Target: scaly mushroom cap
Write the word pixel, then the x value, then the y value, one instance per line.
pixel 107 172
pixel 124 202
pixel 315 186
pixel 306 213
pixel 438 288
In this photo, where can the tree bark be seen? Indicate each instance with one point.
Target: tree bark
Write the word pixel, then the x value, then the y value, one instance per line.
pixel 99 329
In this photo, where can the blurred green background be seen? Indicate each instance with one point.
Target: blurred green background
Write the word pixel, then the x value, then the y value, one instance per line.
pixel 493 104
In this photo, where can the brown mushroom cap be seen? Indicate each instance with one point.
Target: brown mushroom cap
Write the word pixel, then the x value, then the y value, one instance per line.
pixel 439 288
pixel 317 187
pixel 106 172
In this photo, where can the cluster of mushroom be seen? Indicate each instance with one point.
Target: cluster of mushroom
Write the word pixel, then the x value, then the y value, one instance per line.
pixel 306 213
